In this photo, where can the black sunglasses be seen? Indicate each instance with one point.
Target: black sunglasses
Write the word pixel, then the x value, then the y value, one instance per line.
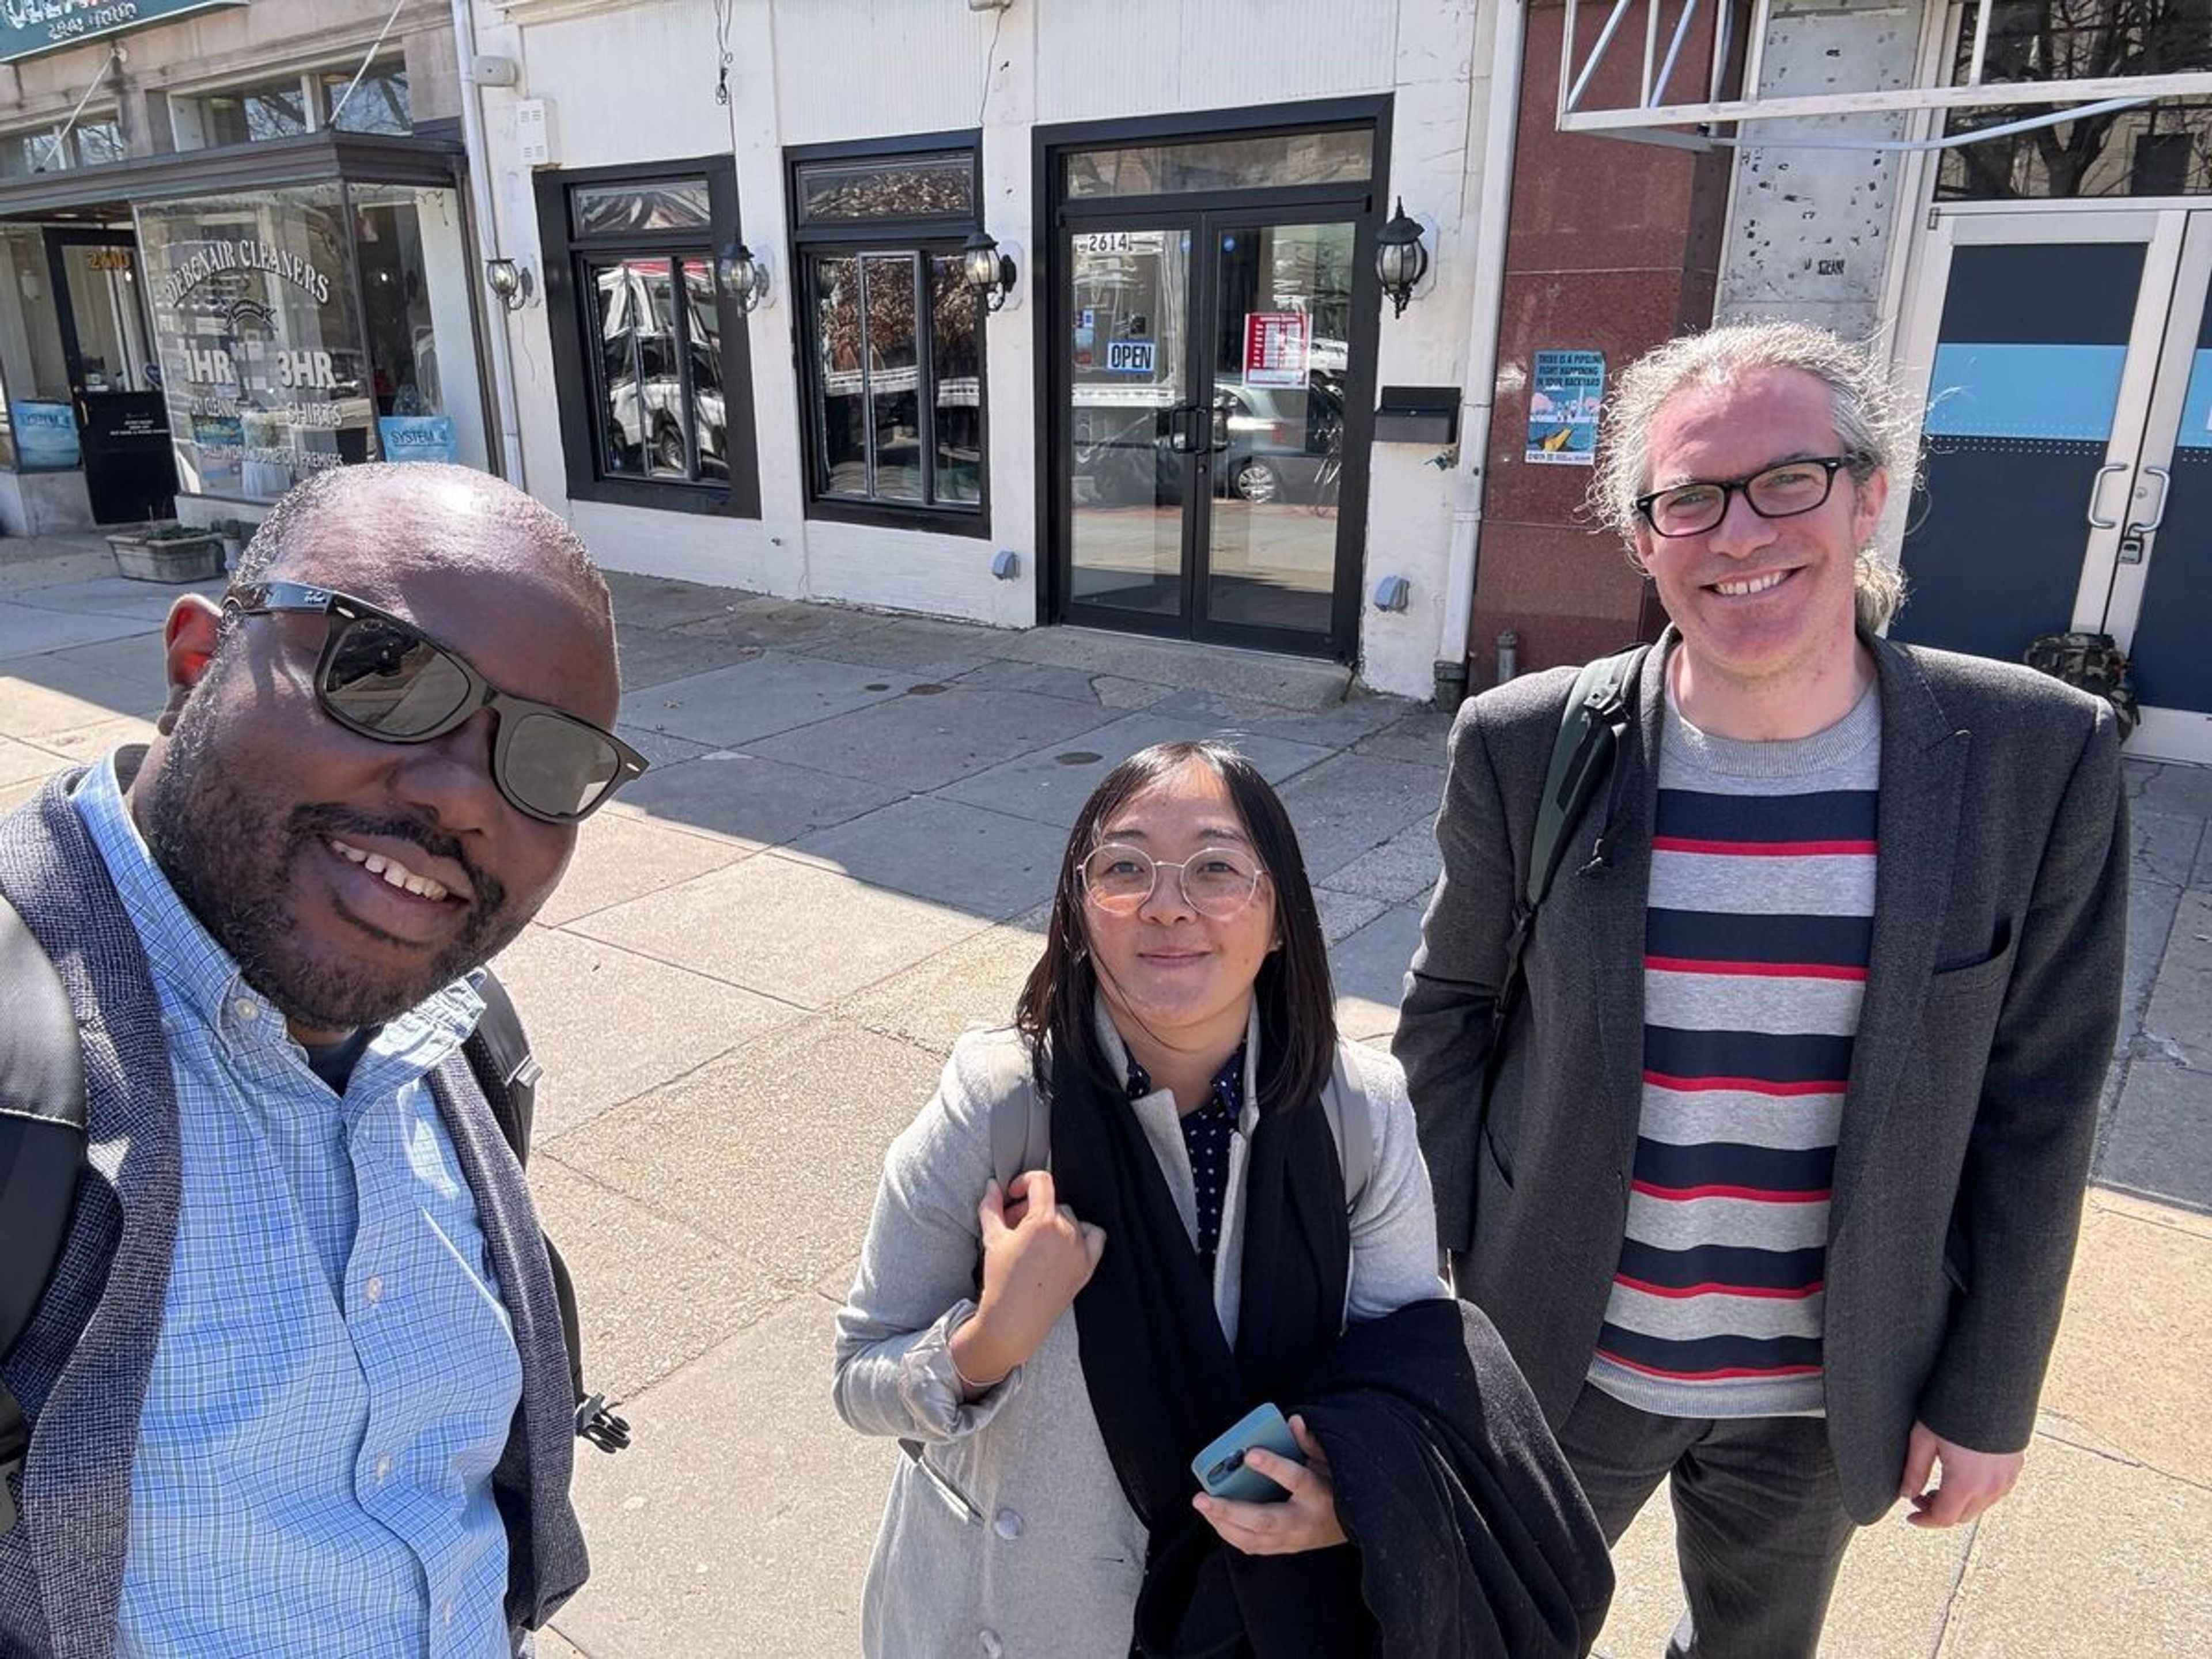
pixel 384 677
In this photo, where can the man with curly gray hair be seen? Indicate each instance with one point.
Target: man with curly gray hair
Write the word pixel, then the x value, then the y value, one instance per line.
pixel 1773 1182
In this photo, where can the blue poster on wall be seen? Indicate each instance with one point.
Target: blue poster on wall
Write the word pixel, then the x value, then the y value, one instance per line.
pixel 1565 391
pixel 418 438
pixel 45 436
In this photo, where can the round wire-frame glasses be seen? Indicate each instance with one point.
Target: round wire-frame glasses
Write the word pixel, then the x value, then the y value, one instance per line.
pixel 1217 881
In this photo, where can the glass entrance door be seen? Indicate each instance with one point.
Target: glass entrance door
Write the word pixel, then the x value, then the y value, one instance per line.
pixel 1207 385
pixel 2068 457
pixel 123 423
pixel 1209 369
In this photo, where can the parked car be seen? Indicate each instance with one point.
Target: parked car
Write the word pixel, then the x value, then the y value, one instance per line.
pixel 1270 443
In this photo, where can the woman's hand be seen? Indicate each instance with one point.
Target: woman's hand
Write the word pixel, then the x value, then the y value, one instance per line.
pixel 1037 1255
pixel 1307 1520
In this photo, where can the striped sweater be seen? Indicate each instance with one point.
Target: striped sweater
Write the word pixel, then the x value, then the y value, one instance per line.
pixel 1755 956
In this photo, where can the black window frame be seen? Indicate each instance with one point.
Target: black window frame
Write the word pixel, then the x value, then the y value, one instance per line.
pixel 572 323
pixel 923 237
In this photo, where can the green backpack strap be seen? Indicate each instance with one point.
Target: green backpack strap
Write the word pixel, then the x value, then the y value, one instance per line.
pixel 498 1053
pixel 42 1146
pixel 1598 711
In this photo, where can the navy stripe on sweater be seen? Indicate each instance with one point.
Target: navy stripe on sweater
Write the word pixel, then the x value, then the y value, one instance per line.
pixel 1721 1268
pixel 1705 1357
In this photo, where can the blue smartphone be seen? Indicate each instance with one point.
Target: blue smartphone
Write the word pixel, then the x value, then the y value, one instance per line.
pixel 1220 1468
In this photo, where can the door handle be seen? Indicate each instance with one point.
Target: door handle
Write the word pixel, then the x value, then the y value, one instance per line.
pixel 2144 527
pixel 2097 488
pixel 1218 437
pixel 1179 439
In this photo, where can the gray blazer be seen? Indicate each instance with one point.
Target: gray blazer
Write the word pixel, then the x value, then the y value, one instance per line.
pixel 1012 1536
pixel 81 1368
pixel 1992 998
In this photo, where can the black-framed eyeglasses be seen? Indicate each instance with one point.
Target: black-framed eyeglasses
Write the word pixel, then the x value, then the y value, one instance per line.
pixel 1782 491
pixel 382 676
pixel 1215 881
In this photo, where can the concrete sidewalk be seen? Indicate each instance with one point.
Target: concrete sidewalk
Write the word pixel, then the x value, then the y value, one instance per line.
pixel 752 975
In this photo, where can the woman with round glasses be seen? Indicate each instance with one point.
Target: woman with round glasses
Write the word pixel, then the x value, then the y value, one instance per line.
pixel 1053 1349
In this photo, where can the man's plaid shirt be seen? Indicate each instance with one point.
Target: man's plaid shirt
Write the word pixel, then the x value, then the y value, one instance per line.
pixel 335 1375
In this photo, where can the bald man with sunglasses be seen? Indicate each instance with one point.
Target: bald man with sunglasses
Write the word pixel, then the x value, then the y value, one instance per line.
pixel 298 1383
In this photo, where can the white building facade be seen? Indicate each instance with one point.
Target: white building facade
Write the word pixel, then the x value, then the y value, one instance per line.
pixel 1167 421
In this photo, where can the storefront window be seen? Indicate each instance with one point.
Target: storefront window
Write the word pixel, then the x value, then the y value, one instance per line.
pixel 650 355
pixel 894 335
pixel 274 370
pixel 414 269
pixel 876 366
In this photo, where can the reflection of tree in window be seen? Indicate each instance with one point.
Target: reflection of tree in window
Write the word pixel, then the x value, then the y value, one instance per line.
pixel 895 347
pixel 2154 151
pixel 378 103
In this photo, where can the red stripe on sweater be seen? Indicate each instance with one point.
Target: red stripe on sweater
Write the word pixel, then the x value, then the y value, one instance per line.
pixel 1764 850
pixel 1753 1085
pixel 1760 969
pixel 1710 1288
pixel 1717 1189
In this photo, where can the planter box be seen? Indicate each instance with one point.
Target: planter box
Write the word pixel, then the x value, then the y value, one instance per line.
pixel 181 559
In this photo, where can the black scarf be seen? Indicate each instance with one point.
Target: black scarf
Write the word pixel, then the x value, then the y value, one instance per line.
pixel 1164 1381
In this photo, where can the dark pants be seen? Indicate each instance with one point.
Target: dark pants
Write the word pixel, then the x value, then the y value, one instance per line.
pixel 1760 1527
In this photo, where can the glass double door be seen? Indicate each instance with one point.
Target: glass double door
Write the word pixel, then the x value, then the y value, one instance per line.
pixel 1210 416
pixel 2067 463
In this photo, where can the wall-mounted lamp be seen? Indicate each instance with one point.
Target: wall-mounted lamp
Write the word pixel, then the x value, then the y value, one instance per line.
pixel 743 274
pixel 990 273
pixel 1400 260
pixel 510 283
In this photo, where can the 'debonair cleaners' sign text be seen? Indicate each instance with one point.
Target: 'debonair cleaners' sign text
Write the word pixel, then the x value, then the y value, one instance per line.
pixel 28 27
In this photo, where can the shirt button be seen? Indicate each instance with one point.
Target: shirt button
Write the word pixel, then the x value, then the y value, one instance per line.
pixel 383 1469
pixel 375 1288
pixel 992 1645
pixel 449 1612
pixel 1008 1525
pixel 245 1010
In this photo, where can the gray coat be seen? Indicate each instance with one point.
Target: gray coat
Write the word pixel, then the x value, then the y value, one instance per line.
pixel 1992 997
pixel 81 1368
pixel 1012 1536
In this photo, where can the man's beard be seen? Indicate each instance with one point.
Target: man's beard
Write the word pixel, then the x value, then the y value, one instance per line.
pixel 232 863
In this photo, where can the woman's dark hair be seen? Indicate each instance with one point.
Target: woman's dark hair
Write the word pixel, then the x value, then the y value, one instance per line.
pixel 1298 1007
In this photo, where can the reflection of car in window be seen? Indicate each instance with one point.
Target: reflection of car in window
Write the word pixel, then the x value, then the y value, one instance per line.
pixel 1269 444
pixel 644 390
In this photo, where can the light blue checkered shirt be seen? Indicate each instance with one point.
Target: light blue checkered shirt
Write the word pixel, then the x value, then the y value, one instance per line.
pixel 336 1374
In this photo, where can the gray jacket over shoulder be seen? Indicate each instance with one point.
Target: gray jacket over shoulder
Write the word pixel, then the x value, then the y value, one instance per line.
pixel 1992 997
pixel 1010 1536
pixel 80 1368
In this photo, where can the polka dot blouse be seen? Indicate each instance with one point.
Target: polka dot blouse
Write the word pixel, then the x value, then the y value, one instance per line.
pixel 1206 1134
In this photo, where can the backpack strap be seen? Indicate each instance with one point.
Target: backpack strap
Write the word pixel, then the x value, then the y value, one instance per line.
pixel 498 1053
pixel 42 1147
pixel 1021 1121
pixel 1598 711
pixel 1355 1143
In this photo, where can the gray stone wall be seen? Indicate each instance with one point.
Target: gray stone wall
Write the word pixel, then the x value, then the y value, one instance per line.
pixel 1810 230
